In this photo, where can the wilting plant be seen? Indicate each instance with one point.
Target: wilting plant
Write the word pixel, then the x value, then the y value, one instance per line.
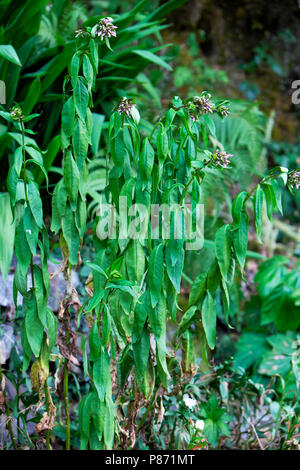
pixel 138 269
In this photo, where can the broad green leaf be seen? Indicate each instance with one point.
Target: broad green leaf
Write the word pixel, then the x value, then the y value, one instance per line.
pixel 270 199
pixel 81 99
pixel 101 374
pixel 209 319
pixel 33 325
pixel 146 160
pixel 258 200
pixel 157 316
pixel 141 349
pixel 22 248
pixel 124 365
pixel 223 242
pixel 71 178
pixel 74 68
pixel 98 121
pixel 237 208
pixel 35 203
pixel 85 409
pixel 7 234
pixel 155 273
pixel 187 319
pixel 109 425
pixel 97 268
pixel 94 342
pixel 40 295
pixel 52 328
pixel 240 239
pixel 175 252
pixel 135 261
pixel 68 117
pixel 80 142
pixel 31 230
pixel 95 300
pixel 198 290
pixel 71 234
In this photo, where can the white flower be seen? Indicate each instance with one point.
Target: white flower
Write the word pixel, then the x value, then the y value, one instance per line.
pixel 189 402
pixel 199 424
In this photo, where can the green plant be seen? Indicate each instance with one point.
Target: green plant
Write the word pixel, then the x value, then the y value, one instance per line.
pixel 137 271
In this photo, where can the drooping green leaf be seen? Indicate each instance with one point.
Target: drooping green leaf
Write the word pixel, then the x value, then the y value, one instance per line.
pixel 155 273
pixel 223 242
pixel 258 200
pixel 209 319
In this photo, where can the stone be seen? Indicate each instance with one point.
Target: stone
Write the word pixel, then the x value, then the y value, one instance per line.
pixel 7 341
pixel 56 293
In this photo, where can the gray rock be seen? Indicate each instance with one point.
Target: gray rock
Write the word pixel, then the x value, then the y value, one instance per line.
pixel 56 293
pixel 7 341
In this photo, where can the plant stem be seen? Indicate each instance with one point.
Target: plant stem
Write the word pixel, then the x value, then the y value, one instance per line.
pixel 26 193
pixel 186 190
pixel 187 278
pixel 67 405
pixel 9 424
pixel 153 130
pixel 48 446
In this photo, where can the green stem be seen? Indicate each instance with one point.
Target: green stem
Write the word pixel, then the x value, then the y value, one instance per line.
pixel 67 405
pixel 145 415
pixel 186 190
pixel 153 130
pixel 25 190
pixel 187 278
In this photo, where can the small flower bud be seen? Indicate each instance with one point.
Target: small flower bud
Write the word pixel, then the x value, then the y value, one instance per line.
pixel 221 158
pixel 16 113
pixel 105 28
pixel 223 111
pixel 126 106
pixel 294 179
pixel 80 33
pixel 203 104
